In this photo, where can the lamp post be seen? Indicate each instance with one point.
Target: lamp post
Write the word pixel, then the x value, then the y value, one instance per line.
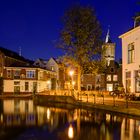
pixel 71 72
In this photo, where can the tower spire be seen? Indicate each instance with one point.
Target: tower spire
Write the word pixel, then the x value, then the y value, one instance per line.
pixel 107 35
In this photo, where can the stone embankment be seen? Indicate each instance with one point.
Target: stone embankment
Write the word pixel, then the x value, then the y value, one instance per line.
pixel 132 108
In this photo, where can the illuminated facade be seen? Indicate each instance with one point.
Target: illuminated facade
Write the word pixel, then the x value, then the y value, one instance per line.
pixel 131 60
pixel 18 80
pixel 56 66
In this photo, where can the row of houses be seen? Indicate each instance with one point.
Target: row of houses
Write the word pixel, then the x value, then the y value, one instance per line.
pixel 20 75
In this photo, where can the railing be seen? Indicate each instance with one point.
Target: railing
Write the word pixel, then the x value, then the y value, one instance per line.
pixel 95 97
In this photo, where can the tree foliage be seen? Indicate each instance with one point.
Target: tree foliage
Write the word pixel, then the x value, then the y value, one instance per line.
pixel 81 35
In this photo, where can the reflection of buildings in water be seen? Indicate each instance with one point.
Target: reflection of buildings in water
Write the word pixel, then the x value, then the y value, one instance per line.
pixel 18 112
pixel 97 124
pixel 130 129
pixel 52 117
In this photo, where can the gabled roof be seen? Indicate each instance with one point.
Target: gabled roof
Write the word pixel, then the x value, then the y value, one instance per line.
pixel 43 60
pixel 58 61
pixel 129 31
pixel 12 54
pixel 15 55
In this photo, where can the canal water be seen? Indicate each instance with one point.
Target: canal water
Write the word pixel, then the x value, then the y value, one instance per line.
pixel 23 120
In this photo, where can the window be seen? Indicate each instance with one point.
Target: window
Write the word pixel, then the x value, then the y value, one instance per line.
pixel 16 83
pixel 109 87
pixel 137 81
pixel 8 73
pixel 16 87
pixel 112 70
pixel 17 74
pixel 30 74
pixel 108 78
pixel 115 77
pixel 26 86
pixel 130 53
pixel 128 81
pixel 41 74
pixel 52 68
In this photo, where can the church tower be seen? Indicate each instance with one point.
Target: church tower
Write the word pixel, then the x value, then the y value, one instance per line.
pixel 108 49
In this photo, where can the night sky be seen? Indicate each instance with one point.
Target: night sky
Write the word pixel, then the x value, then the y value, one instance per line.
pixel 34 25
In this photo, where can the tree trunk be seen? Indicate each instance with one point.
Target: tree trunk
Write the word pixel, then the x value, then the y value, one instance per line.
pixel 79 79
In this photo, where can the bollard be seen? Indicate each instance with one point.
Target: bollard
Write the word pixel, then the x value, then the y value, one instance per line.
pixel 94 99
pixel 114 100
pixel 103 99
pixel 81 96
pixel 77 95
pixel 126 101
pixel 87 97
pixel 102 95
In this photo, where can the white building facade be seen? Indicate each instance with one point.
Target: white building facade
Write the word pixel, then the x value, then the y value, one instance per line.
pixel 131 60
pixel 22 80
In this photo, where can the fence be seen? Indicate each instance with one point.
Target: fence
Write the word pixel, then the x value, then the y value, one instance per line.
pixel 95 97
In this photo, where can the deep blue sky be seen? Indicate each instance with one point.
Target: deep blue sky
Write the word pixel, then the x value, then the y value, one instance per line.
pixel 35 24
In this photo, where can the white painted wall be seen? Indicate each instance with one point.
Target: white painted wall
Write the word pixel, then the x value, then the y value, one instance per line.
pixel 8 86
pixel 132 36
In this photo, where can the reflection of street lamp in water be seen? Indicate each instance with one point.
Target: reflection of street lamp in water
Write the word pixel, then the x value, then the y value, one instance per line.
pixel 70 132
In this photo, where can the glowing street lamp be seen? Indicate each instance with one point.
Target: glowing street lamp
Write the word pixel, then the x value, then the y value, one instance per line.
pixel 71 73
pixel 48 84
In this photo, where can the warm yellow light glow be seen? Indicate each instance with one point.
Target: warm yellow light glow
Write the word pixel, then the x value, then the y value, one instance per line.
pixel 1 118
pixel 48 113
pixel 139 129
pixel 108 117
pixel 71 72
pixel 73 83
pixel 70 132
pixel 48 82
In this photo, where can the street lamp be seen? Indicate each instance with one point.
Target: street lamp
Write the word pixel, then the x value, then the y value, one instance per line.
pixel 71 75
pixel 48 84
pixel 71 72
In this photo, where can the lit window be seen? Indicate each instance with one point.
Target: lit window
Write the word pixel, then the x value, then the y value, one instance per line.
pixel 30 74
pixel 115 77
pixel 17 74
pixel 52 68
pixel 108 77
pixel 130 53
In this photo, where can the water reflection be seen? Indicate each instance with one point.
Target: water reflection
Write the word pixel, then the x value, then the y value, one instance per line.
pixel 39 122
